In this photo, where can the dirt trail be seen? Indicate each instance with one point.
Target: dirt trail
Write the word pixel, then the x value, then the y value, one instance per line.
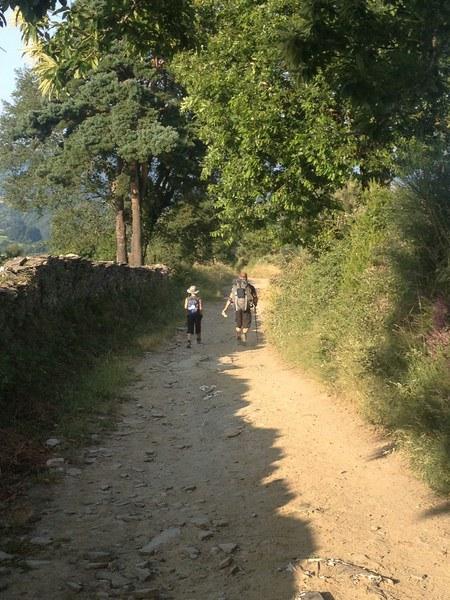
pixel 245 480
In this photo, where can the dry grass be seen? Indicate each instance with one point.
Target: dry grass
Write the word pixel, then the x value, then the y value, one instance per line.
pixel 262 270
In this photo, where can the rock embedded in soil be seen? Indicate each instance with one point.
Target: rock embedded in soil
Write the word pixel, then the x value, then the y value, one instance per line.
pixel 32 563
pixel 221 523
pixel 116 580
pixel 41 541
pixel 74 472
pixel 226 562
pixel 189 488
pixel 156 414
pixel 5 556
pixel 52 442
pixel 192 552
pixel 54 462
pixel 97 555
pixel 94 566
pixel 74 586
pixel 228 548
pixel 147 593
pixel 144 574
pixel 163 538
pixel 202 522
pixel 232 433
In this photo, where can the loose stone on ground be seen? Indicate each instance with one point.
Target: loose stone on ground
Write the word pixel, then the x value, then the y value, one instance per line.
pixel 163 538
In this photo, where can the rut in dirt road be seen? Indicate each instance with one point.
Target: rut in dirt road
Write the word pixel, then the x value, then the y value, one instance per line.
pixel 227 474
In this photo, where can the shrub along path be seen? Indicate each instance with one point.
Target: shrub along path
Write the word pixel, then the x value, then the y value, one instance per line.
pixel 226 473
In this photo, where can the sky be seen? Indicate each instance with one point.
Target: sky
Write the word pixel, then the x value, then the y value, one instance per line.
pixel 10 59
pixel 11 50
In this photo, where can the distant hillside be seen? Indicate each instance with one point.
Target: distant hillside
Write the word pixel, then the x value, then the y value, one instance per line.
pixel 22 233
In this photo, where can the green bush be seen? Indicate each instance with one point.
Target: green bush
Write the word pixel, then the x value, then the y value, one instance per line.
pixel 371 315
pixel 86 229
pixel 213 280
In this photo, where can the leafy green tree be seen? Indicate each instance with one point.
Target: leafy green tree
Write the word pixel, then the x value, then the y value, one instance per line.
pixel 108 129
pixel 275 149
pixel 294 98
pixel 85 44
pixel 86 229
pixel 31 10
pixel 388 61
pixel 147 30
pixel 25 183
pixel 183 233
pixel 79 150
pixel 175 178
pixel 37 173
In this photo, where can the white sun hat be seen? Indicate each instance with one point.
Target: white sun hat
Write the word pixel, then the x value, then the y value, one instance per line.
pixel 192 290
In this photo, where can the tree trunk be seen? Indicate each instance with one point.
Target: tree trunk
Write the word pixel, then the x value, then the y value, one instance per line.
pixel 121 232
pixel 136 228
pixel 143 186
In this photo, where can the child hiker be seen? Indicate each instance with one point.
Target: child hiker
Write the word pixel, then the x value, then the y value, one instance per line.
pixel 193 306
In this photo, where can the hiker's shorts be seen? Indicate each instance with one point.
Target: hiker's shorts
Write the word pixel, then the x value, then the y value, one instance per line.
pixel 243 319
pixel 194 322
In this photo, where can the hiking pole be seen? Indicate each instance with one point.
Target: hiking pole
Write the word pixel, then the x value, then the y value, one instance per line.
pixel 256 325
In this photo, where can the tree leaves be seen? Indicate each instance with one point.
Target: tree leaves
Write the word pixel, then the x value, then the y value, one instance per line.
pixel 390 60
pixel 32 10
pixel 275 148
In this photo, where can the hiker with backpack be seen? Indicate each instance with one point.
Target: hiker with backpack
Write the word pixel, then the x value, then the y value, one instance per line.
pixel 244 297
pixel 193 306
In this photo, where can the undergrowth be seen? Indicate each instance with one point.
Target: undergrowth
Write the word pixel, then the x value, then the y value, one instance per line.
pixel 370 315
pixel 213 280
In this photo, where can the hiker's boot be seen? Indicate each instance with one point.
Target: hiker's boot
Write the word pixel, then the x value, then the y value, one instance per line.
pixel 238 338
pixel 188 345
pixel 244 338
pixel 199 340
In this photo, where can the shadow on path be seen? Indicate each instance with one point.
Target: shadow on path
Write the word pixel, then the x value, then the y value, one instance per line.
pixel 187 457
pixel 435 511
pixel 234 467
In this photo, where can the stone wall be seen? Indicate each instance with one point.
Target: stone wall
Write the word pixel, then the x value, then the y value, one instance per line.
pixel 30 287
pixel 49 304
